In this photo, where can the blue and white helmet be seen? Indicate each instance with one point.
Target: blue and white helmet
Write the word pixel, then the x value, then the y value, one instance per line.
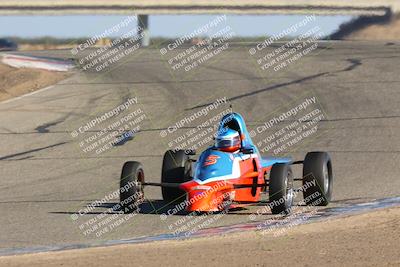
pixel 228 140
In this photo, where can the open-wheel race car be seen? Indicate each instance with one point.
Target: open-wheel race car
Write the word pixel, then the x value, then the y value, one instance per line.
pixel 229 174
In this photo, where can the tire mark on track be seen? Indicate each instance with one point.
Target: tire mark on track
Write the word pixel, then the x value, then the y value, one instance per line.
pixel 354 64
pixel 31 151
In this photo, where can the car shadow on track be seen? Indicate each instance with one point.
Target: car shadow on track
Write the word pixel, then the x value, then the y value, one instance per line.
pixel 156 207
pixel 148 206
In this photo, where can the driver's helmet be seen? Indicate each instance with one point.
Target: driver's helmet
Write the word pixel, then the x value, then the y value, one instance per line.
pixel 228 140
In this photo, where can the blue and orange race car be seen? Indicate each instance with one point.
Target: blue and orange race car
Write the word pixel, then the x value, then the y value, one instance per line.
pixel 229 174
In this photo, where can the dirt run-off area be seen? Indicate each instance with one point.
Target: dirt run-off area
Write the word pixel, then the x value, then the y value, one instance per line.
pixel 369 239
pixel 15 82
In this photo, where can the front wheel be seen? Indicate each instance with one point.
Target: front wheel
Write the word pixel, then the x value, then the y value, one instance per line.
pixel 176 168
pixel 281 190
pixel 131 188
pixel 317 179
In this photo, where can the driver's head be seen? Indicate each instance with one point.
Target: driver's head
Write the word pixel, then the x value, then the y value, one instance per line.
pixel 228 140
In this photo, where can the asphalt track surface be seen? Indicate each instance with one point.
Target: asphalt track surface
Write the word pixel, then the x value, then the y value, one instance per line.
pixel 46 177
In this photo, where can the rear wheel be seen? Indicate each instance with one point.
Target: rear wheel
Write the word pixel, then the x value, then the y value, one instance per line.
pixel 131 188
pixel 281 190
pixel 176 168
pixel 317 178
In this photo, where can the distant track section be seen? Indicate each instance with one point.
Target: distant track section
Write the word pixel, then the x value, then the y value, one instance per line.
pixel 356 7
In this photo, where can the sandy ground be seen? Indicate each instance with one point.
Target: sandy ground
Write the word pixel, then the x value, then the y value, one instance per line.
pixel 370 239
pixel 15 82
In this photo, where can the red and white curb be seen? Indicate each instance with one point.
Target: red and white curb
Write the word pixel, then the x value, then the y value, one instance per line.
pixel 44 63
pixel 324 214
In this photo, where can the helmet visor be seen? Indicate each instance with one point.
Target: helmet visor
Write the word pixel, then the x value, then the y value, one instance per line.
pixel 227 143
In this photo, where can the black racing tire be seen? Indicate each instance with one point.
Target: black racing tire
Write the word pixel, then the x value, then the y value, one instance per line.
pixel 176 168
pixel 281 192
pixel 317 167
pixel 131 188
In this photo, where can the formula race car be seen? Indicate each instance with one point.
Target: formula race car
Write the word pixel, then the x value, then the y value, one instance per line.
pixel 229 174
